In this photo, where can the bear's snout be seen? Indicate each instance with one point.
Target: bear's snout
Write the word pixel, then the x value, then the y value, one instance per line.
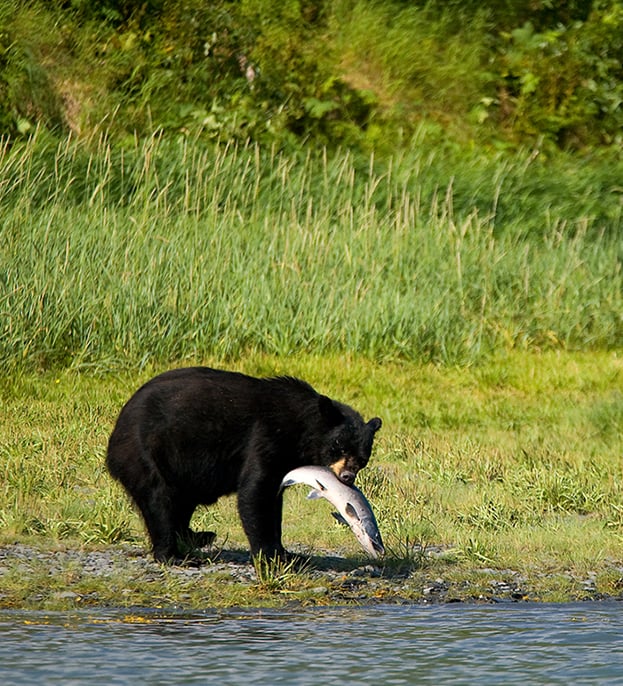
pixel 347 477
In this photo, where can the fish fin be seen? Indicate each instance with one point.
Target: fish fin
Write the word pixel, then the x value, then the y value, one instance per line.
pixel 351 512
pixel 314 494
pixel 339 518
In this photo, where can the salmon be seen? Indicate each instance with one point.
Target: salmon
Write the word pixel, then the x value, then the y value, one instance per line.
pixel 353 508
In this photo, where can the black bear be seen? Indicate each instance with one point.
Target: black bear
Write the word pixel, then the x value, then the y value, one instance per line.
pixel 190 436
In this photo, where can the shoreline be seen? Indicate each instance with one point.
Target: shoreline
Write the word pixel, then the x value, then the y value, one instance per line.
pixel 66 576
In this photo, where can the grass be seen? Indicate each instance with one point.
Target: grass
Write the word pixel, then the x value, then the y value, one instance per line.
pixel 513 464
pixel 474 306
pixel 168 251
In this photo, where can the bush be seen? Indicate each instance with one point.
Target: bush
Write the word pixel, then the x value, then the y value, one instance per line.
pixel 362 74
pixel 566 83
pixel 27 95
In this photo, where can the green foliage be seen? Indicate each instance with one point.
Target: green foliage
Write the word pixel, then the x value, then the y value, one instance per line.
pixel 115 11
pixel 419 63
pixel 27 95
pixel 511 13
pixel 297 85
pixel 368 75
pixel 559 83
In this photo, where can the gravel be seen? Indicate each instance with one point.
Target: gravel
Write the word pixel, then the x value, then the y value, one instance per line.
pixel 330 577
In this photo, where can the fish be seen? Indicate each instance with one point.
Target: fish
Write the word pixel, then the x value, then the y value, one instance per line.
pixel 354 510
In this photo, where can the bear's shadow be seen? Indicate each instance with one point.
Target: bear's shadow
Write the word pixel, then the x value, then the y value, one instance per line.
pixel 318 562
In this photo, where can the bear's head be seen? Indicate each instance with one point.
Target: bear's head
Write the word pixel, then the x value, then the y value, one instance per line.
pixel 349 440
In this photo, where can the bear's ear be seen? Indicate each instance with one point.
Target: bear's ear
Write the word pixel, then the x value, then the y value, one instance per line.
pixel 329 411
pixel 375 424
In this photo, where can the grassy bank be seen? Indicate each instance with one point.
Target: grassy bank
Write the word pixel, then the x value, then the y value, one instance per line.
pixel 510 465
pixel 168 251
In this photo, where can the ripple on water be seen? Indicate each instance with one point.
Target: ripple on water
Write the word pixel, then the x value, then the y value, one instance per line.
pixel 458 644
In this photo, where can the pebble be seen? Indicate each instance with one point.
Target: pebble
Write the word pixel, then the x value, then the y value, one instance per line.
pixel 66 595
pixel 331 572
pixel 319 590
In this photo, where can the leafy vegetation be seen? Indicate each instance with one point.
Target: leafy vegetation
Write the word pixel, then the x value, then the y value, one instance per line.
pixel 354 72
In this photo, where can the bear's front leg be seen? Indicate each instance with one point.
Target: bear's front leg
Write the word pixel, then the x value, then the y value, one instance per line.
pixel 260 506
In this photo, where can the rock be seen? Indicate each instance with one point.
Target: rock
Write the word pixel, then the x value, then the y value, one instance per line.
pixel 66 595
pixel 319 590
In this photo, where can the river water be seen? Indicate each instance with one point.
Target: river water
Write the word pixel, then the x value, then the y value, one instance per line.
pixel 386 645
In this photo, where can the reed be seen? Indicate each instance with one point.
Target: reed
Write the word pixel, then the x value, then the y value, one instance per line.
pixel 168 250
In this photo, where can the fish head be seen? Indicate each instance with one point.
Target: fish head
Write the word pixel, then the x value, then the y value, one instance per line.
pixel 365 528
pixel 373 541
pixel 376 542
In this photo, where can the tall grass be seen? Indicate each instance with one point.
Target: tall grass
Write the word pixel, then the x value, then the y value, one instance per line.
pixel 168 250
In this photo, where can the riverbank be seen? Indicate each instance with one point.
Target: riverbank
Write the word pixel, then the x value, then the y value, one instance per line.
pixel 497 481
pixel 63 577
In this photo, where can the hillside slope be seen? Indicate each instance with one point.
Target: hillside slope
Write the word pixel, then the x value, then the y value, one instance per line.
pixel 363 74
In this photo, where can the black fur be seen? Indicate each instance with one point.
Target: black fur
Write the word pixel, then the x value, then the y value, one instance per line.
pixel 189 436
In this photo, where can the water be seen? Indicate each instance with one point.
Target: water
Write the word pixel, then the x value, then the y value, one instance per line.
pixel 449 644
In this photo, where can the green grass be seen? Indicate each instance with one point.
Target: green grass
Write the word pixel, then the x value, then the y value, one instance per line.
pixel 168 251
pixel 475 307
pixel 513 464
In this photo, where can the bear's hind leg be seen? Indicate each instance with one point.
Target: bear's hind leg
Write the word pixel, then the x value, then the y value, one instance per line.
pixel 157 504
pixel 158 512
pixel 188 540
pixel 135 468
